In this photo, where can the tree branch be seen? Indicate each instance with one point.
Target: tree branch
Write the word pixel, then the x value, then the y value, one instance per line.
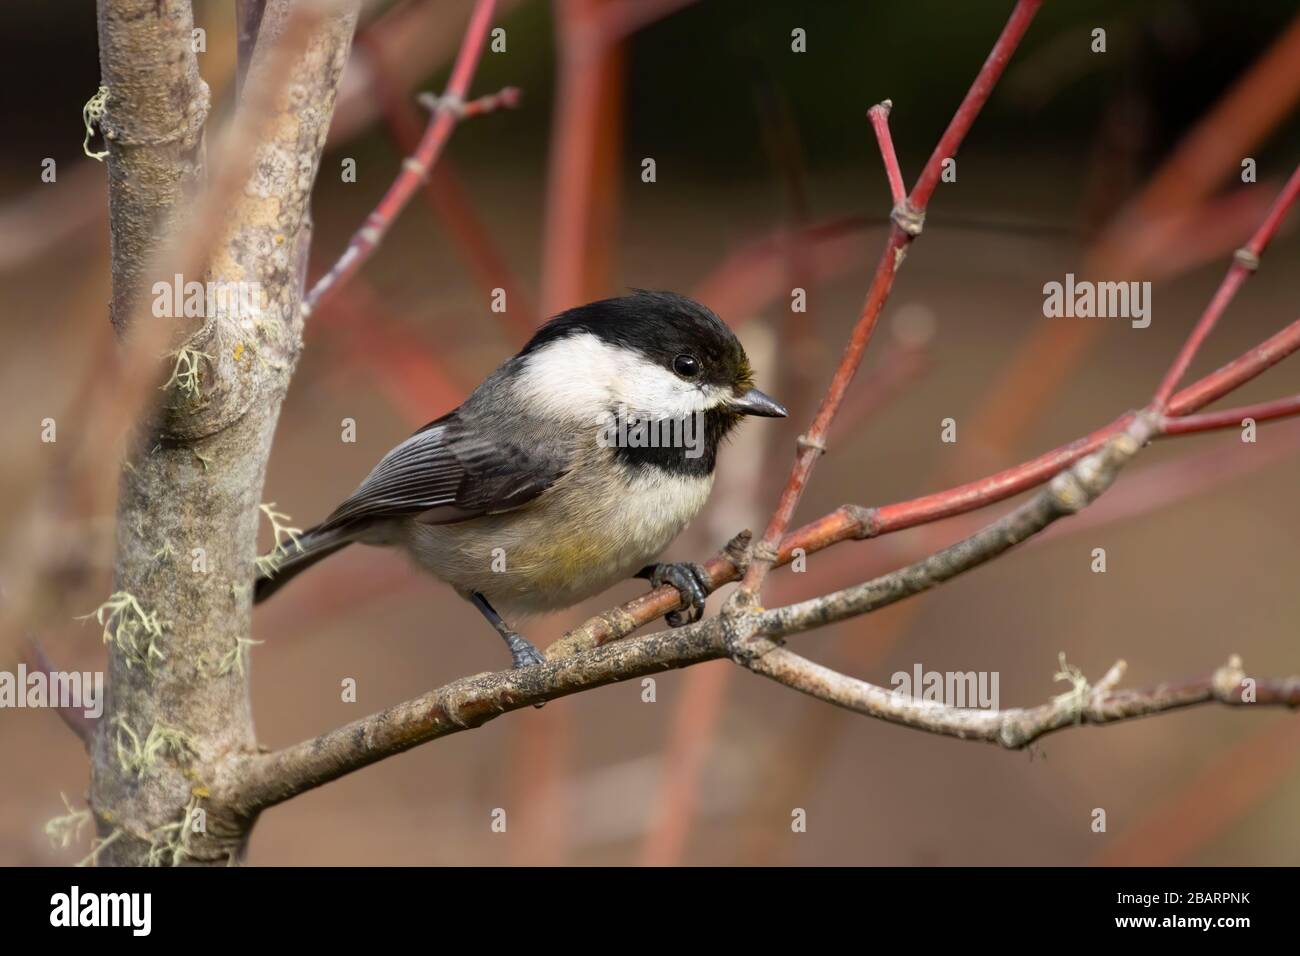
pixel 176 628
pixel 256 782
pixel 1069 492
pixel 879 116
pixel 908 218
pixel 1244 264
pixel 853 522
pixel 447 111
pixel 1236 373
pixel 1232 417
pixel 1018 727
pixel 153 129
pixel 751 639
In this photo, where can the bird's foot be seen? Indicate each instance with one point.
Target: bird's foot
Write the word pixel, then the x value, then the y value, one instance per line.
pixel 523 653
pixel 688 578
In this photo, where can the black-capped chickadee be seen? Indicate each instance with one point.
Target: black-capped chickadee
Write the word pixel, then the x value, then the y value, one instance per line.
pixel 569 468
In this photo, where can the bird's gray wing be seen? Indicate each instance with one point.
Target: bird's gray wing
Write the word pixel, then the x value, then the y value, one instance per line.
pixel 449 471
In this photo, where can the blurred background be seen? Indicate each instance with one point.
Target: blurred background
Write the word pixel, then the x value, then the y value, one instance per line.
pixel 1123 164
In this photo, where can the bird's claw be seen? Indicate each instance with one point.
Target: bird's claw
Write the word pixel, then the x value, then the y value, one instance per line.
pixel 523 653
pixel 691 580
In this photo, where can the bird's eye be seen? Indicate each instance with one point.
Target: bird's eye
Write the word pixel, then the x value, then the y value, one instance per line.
pixel 687 366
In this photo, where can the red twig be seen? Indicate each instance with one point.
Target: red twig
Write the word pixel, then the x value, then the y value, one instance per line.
pixel 1241 369
pixel 908 217
pixel 1244 263
pixel 1022 477
pixel 853 521
pixel 975 99
pixel 1233 417
pixel 995 487
pixel 448 111
pixel 1256 104
pixel 449 202
pixel 690 741
pixel 879 116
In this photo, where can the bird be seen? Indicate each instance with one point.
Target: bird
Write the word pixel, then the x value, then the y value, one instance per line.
pixel 571 467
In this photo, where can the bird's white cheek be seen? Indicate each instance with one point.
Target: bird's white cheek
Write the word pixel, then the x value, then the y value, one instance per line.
pixel 582 377
pixel 648 390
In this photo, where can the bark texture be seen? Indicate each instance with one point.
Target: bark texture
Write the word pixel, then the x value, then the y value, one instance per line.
pixel 189 498
pixel 153 126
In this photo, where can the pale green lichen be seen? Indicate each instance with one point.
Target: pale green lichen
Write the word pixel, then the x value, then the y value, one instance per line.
pixel 97 846
pixel 63 831
pixel 234 659
pixel 170 843
pixel 269 563
pixel 133 630
pixel 136 756
pixel 1076 698
pixel 66 830
pixel 91 114
pixel 187 373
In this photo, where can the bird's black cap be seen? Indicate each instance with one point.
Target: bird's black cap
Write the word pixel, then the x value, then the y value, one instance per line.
pixel 661 326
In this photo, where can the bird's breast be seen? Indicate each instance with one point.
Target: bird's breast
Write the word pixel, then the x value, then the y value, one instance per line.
pixel 592 529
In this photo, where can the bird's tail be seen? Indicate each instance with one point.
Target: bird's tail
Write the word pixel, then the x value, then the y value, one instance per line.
pixel 290 560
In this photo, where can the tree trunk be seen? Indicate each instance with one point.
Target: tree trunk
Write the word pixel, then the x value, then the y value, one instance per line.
pixel 178 702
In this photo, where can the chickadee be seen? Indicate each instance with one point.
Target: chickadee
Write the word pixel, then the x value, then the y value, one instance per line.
pixel 569 468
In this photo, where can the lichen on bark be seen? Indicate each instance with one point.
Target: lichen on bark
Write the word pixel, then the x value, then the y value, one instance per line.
pixel 189 495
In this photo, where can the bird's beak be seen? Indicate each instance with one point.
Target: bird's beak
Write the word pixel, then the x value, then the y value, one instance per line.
pixel 754 402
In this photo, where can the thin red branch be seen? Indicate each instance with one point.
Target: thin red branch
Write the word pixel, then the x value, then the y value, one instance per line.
pixel 879 116
pixel 812 442
pixel 976 97
pixel 450 204
pixel 450 109
pixel 1012 481
pixel 406 368
pixel 908 218
pixel 995 487
pixel 1240 370
pixel 1256 104
pixel 856 522
pixel 1244 264
pixel 1233 417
